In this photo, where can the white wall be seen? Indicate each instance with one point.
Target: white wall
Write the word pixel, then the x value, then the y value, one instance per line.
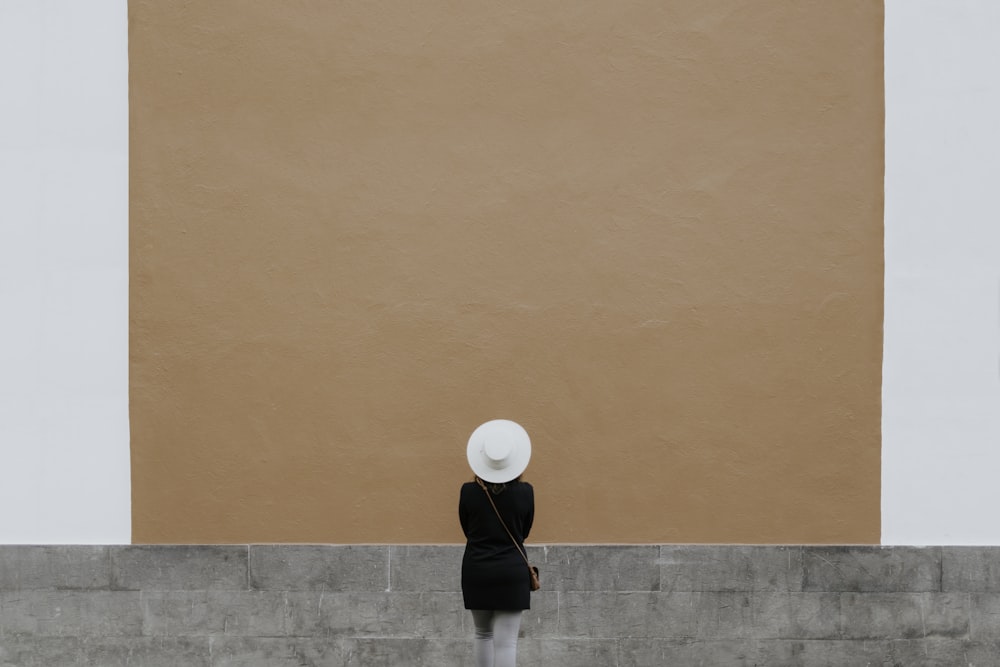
pixel 941 386
pixel 64 457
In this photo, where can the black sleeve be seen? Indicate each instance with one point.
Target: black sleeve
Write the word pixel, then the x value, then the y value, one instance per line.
pixel 529 517
pixel 463 512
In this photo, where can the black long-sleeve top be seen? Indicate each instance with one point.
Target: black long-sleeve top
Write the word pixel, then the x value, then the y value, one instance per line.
pixel 494 574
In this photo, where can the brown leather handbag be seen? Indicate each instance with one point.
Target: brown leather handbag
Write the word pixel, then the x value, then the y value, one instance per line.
pixel 532 570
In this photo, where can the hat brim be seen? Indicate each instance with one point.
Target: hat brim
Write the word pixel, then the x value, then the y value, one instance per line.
pixel 515 463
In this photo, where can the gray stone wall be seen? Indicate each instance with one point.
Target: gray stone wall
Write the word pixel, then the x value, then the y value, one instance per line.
pixel 627 606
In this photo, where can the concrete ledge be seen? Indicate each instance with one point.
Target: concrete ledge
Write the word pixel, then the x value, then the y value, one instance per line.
pixel 613 605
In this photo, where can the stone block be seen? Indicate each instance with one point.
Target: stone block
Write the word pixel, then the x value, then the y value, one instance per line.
pixel 984 616
pixel 713 615
pixel 689 653
pixel 804 653
pixel 562 652
pixel 319 568
pixel 977 653
pixel 54 568
pixel 278 652
pixel 905 615
pixel 894 653
pixel 597 568
pixel 659 615
pixel 227 613
pixel 360 615
pixel 104 652
pixel 425 568
pixel 871 569
pixel 70 614
pixel 795 616
pixel 417 652
pixel 730 568
pixel 821 653
pixel 938 653
pixel 41 652
pixel 304 614
pixel 179 568
pixel 542 620
pixel 435 652
pixel 699 615
pixel 970 569
pixel 606 615
pixel 145 651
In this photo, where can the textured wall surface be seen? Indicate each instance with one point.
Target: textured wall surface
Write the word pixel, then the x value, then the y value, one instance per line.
pixel 650 232
pixel 601 606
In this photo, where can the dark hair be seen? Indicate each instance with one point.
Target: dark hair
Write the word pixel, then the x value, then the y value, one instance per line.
pixel 496 487
pixel 510 481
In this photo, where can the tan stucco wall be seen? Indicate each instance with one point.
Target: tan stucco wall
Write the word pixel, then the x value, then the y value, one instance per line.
pixel 648 231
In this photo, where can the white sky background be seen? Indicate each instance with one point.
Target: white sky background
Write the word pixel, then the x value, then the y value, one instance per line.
pixel 64 447
pixel 941 385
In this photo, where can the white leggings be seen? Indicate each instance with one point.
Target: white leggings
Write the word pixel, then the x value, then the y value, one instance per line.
pixel 496 637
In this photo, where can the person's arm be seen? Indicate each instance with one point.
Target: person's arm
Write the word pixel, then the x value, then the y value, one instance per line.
pixel 529 517
pixel 463 513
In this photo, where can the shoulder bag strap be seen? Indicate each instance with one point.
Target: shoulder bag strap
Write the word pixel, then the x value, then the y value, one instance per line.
pixel 516 545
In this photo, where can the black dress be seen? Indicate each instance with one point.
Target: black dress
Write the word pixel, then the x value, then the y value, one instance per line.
pixel 494 575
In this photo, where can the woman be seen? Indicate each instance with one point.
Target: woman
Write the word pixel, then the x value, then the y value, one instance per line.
pixel 496 583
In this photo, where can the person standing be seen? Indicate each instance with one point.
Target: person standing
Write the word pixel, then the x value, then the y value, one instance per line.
pixel 496 511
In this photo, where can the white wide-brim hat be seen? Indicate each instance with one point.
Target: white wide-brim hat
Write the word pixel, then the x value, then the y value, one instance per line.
pixel 499 450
